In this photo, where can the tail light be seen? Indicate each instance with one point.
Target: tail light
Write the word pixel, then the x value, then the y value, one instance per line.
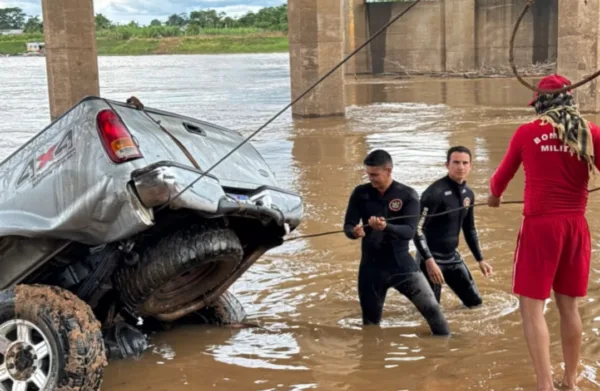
pixel 116 139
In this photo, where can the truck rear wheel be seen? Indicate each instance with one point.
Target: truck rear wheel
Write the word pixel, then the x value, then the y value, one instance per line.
pixel 179 268
pixel 226 310
pixel 49 340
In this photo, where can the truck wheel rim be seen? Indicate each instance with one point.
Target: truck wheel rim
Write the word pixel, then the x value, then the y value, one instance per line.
pixel 25 356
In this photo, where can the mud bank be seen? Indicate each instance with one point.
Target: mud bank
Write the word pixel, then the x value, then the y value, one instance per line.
pixel 499 72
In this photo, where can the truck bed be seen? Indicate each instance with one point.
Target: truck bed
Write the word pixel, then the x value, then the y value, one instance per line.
pixel 62 185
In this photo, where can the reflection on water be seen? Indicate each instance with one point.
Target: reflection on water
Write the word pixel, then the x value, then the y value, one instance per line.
pixel 303 294
pixel 259 349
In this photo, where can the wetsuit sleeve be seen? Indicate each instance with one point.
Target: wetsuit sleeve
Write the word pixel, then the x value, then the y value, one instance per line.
pixel 470 233
pixel 508 166
pixel 429 204
pixel 352 215
pixel 405 228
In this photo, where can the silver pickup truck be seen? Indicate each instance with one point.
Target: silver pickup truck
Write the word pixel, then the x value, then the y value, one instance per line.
pixel 96 236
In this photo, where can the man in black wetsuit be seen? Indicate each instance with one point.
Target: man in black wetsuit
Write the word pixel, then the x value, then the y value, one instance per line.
pixel 437 237
pixel 386 261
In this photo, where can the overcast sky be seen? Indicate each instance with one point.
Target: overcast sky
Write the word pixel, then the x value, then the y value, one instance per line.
pixel 143 11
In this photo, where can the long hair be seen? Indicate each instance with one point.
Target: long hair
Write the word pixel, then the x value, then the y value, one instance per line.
pixel 560 111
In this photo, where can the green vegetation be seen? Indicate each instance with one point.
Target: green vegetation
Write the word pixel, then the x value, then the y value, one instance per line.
pixel 200 44
pixel 243 44
pixel 131 47
pixel 200 32
pixel 12 47
pixel 11 18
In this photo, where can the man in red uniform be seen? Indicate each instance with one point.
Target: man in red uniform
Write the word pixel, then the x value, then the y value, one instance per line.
pixel 559 150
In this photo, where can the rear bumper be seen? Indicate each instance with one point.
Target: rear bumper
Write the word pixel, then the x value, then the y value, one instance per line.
pixel 158 183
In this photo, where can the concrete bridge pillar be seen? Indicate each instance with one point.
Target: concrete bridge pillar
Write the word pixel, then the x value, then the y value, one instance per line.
pixel 71 57
pixel 356 33
pixel 459 34
pixel 316 39
pixel 578 50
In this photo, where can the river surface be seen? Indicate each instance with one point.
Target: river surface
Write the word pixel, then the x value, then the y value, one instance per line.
pixel 304 293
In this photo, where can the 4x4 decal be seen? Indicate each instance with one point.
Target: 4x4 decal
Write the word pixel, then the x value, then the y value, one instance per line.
pixel 38 166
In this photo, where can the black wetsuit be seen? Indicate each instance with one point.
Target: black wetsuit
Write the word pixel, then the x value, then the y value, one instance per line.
pixel 385 260
pixel 437 237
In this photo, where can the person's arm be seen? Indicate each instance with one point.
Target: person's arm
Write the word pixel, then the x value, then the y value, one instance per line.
pixel 470 232
pixel 405 227
pixel 509 165
pixel 429 205
pixel 596 142
pixel 352 217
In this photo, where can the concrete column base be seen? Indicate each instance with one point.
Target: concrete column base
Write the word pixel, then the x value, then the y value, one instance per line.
pixel 578 49
pixel 71 56
pixel 316 41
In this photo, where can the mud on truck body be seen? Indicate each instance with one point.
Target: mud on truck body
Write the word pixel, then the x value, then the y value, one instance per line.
pixel 92 237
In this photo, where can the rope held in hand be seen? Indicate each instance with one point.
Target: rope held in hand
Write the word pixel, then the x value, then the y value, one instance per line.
pixel 511 59
pixel 413 216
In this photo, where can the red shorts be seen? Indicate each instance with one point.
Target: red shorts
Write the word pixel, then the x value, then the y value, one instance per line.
pixel 553 252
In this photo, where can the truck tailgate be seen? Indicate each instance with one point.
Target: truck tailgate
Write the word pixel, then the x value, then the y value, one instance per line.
pixel 207 143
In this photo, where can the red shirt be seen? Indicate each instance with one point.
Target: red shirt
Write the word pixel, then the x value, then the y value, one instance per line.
pixel 555 180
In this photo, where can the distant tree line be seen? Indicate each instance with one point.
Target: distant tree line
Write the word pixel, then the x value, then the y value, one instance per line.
pixel 268 18
pixel 197 22
pixel 15 19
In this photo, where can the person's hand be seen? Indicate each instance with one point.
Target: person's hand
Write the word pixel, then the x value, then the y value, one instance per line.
pixel 494 201
pixel 434 272
pixel 358 231
pixel 485 268
pixel 377 223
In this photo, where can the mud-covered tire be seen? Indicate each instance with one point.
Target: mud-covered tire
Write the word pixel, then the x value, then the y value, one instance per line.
pixel 226 310
pixel 179 268
pixel 64 335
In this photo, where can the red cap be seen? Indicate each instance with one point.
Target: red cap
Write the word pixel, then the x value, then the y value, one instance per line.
pixel 552 82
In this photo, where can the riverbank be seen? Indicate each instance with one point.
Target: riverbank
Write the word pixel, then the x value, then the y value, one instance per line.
pixel 201 44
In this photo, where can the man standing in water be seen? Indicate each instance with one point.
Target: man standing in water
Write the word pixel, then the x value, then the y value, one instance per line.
pixel 437 238
pixel 385 260
pixel 559 150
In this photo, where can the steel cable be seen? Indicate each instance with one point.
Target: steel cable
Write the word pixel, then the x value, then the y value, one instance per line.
pixel 413 216
pixel 511 59
pixel 382 29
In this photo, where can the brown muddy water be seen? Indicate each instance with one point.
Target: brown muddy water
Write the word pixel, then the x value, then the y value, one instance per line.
pixel 304 294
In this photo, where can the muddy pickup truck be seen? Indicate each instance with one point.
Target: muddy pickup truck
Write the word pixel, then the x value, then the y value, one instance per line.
pixel 95 236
